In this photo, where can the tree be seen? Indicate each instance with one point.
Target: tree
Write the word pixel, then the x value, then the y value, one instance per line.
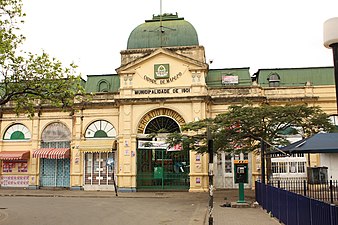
pixel 243 127
pixel 28 78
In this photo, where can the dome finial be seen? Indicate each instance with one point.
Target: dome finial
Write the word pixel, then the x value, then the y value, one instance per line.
pixel 161 25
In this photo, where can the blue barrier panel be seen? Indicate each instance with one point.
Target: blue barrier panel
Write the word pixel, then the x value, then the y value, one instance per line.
pixel 292 209
pixel 334 215
pixel 258 187
pixel 283 199
pixel 256 192
pixel 304 213
pixel 320 212
pixel 275 202
pixel 264 196
pixel 269 200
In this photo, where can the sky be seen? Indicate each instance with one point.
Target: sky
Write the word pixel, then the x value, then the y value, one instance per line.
pixel 259 34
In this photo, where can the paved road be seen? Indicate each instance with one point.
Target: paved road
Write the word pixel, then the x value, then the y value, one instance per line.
pixel 50 207
pixel 102 211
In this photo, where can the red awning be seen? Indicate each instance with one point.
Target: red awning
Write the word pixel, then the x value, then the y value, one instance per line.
pixel 14 155
pixel 52 153
pixel 59 153
pixel 42 152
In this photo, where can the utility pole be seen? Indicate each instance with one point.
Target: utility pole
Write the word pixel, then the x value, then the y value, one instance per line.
pixel 211 177
pixel 263 150
pixel 331 41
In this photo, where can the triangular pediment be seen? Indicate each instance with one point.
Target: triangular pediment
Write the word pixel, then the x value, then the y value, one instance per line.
pixel 162 52
pixel 162 71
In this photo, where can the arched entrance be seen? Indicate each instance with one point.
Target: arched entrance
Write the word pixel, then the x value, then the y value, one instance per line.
pixel 98 147
pixel 54 156
pixel 160 168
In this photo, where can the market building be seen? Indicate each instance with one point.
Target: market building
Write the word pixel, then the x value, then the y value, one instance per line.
pixel 163 82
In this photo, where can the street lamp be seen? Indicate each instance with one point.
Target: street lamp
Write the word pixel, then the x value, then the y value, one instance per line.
pixel 211 175
pixel 331 41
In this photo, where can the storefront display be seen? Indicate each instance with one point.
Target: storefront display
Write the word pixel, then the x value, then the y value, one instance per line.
pixel 98 175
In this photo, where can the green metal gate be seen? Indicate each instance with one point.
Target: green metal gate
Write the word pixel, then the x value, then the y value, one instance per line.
pixel 55 173
pixel 158 169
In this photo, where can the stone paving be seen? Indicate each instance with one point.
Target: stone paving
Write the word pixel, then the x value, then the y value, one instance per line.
pixel 225 215
pixel 222 213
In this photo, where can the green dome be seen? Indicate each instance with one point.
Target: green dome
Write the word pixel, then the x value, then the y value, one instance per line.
pixel 175 32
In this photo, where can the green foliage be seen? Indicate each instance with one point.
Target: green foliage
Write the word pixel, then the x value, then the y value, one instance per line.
pixel 243 126
pixel 28 79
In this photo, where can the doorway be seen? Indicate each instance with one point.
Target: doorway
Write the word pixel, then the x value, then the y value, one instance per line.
pixel 159 169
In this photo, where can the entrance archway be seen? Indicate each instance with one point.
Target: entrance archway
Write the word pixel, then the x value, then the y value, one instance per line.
pixel 162 112
pixel 157 167
pixel 55 171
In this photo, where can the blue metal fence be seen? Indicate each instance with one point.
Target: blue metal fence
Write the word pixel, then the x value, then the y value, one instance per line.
pixel 294 209
pixel 326 191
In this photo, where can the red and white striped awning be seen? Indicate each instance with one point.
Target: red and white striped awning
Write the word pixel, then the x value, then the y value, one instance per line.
pixel 52 153
pixel 59 153
pixel 14 155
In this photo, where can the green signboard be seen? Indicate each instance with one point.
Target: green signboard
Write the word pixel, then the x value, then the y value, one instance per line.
pixel 161 71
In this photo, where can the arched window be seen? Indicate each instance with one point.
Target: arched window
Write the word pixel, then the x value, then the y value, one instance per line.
pixel 56 135
pixel 103 86
pixel 162 124
pixel 17 132
pixel 274 80
pixel 100 129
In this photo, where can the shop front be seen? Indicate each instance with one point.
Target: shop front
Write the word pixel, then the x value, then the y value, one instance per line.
pixel 54 167
pixel 14 169
pixel 98 147
pixel 98 175
pixel 54 156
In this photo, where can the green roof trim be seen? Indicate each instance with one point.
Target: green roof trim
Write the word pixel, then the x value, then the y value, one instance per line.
pixel 290 77
pixel 174 32
pixel 102 83
pixel 216 76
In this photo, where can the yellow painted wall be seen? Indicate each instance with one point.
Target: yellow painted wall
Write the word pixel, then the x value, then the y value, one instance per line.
pixel 126 110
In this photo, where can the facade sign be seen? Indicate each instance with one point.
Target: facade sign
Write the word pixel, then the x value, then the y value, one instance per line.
pixel 229 79
pixel 161 71
pixel 163 80
pixel 162 91
pixel 241 161
pixel 152 145
pixel 158 145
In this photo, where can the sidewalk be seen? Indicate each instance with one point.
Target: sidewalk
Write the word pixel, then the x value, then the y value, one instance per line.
pixel 74 193
pixel 222 215
pixel 239 216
